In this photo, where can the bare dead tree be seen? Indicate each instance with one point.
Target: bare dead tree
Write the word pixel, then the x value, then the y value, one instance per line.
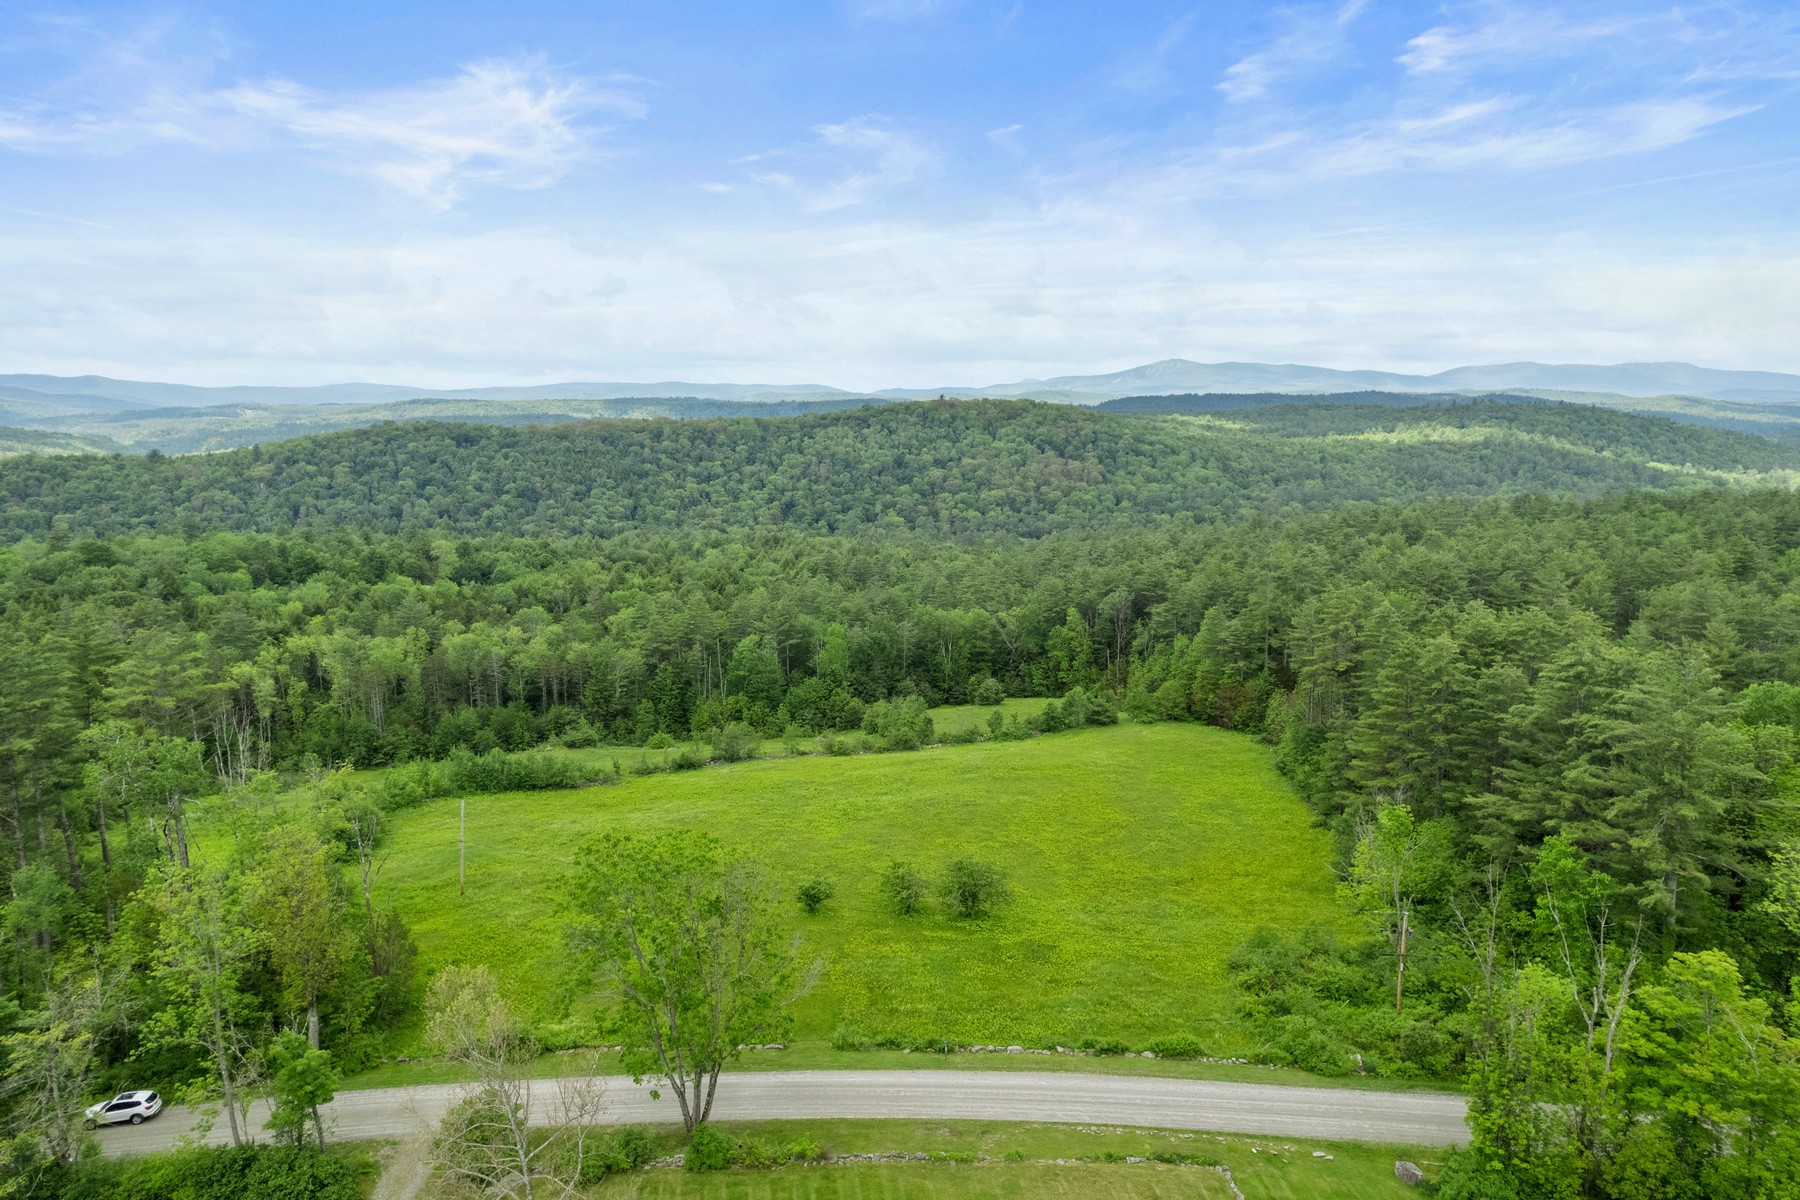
pixel 500 1137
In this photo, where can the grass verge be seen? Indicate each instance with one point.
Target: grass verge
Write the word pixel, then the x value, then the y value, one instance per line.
pixel 969 1159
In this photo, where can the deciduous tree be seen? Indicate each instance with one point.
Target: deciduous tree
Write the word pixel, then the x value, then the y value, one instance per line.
pixel 685 937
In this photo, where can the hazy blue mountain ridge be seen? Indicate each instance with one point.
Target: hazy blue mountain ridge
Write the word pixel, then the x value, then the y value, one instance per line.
pixel 94 393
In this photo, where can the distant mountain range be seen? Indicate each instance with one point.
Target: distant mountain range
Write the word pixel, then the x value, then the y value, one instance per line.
pixel 24 398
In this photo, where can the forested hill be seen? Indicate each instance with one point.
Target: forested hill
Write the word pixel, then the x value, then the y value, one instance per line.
pixel 947 468
pixel 1216 402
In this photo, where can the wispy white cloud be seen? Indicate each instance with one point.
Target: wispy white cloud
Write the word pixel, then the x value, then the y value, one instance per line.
pixel 1312 37
pixel 885 158
pixel 1007 138
pixel 1505 36
pixel 1476 96
pixel 498 123
pixel 1492 133
pixel 1708 42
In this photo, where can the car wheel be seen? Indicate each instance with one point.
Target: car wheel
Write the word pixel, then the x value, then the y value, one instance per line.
pixel 137 1118
pixel 88 1124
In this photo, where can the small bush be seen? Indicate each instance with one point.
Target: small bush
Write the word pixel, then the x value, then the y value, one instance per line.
pixel 1465 1176
pixel 1180 1045
pixel 710 1149
pixel 804 1149
pixel 579 736
pixel 635 1145
pixel 971 888
pixel 405 788
pixel 989 692
pixel 659 741
pixel 1302 1041
pixel 685 758
pixel 850 1037
pixel 901 724
pixel 467 774
pixel 630 1148
pixel 735 743
pixel 554 1036
pixel 814 893
pixel 1010 730
pixel 903 888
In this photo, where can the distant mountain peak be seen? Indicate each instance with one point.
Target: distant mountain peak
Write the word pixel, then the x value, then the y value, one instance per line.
pixel 97 393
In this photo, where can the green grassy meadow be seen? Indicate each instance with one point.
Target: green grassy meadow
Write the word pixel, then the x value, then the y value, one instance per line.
pixel 1265 1168
pixel 1139 856
pixel 955 718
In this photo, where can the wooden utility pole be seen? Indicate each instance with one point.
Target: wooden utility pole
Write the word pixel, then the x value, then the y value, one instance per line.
pixel 1400 976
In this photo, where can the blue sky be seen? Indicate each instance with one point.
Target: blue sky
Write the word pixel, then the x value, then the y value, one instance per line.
pixel 890 192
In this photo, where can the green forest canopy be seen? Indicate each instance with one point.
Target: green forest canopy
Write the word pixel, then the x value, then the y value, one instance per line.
pixel 945 468
pixel 1581 711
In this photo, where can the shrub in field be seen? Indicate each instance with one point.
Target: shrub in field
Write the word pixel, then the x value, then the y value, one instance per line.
pixel 466 774
pixel 658 741
pixel 814 893
pixel 972 888
pixel 804 1149
pixel 989 692
pixel 710 1150
pixel 634 1145
pixel 849 1037
pixel 1180 1045
pixel 630 1148
pixel 735 743
pixel 1009 729
pixel 903 888
pixel 685 758
pixel 1139 705
pixel 757 1154
pixel 902 724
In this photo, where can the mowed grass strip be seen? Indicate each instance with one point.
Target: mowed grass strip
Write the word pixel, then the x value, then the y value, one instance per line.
pixel 931 1181
pixel 1265 1168
pixel 1139 857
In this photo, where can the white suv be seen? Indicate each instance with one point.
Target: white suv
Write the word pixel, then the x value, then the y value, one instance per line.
pixel 136 1107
